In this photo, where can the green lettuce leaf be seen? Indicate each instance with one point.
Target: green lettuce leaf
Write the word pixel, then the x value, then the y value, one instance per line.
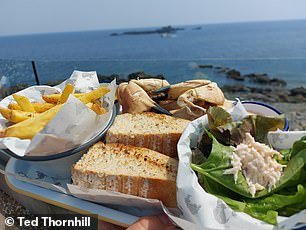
pixel 232 133
pixel 298 146
pixel 288 196
pixel 217 116
pixel 266 208
pixel 220 159
pixel 293 208
pixel 264 124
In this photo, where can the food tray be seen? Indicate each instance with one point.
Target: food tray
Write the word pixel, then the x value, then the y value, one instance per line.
pixel 33 179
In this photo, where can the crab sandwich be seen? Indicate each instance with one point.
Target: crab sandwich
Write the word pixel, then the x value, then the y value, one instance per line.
pixel 128 169
pixel 158 132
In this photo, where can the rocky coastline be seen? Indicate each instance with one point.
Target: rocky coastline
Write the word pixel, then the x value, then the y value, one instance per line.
pixel 266 89
pixel 257 78
pixel 271 93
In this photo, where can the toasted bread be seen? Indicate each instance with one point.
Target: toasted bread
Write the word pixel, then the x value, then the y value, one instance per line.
pixel 158 132
pixel 128 169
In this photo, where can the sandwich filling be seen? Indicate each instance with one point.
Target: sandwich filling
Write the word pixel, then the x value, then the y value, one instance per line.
pixel 256 162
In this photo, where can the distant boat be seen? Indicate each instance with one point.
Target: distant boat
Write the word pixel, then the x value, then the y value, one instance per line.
pixel 168 35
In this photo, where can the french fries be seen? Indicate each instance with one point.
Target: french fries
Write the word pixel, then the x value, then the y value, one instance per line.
pixel 24 103
pixel 53 98
pixel 84 97
pixel 94 95
pixel 89 105
pixel 98 109
pixel 16 116
pixel 29 128
pixel 31 118
pixel 38 107
pixel 67 91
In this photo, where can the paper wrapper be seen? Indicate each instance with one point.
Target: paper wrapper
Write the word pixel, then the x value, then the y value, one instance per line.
pixel 147 206
pixel 205 210
pixel 134 205
pixel 196 208
pixel 71 127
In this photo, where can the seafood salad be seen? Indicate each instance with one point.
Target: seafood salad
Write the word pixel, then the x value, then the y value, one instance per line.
pixel 235 163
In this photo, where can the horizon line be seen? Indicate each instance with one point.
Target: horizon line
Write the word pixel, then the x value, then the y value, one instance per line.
pixel 145 27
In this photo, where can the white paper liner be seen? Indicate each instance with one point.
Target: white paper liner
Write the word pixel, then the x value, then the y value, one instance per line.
pixel 203 209
pixel 133 204
pixel 72 126
pixel 114 198
pixel 284 139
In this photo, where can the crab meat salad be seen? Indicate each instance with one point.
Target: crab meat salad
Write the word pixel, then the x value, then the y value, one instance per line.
pixel 234 162
pixel 255 161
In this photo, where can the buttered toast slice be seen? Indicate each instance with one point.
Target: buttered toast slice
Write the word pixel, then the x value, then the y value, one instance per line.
pixel 158 132
pixel 128 169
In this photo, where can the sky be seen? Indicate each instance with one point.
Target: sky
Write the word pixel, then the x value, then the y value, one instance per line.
pixel 44 16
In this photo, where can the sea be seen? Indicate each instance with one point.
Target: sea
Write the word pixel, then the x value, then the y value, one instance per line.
pixel 277 48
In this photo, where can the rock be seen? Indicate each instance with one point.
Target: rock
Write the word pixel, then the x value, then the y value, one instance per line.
pixel 54 83
pixel 109 78
pixel 235 88
pixel 265 79
pixel 234 74
pixel 283 97
pixel 261 97
pixel 142 75
pixel 261 79
pixel 264 94
pixel 236 77
pixel 251 75
pixel 223 70
pixel 298 91
pixel 205 66
pixel 4 92
pixel 260 90
pixel 278 82
pixel 297 98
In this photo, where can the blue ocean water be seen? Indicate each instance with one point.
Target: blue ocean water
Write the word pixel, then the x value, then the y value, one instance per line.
pixel 277 48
